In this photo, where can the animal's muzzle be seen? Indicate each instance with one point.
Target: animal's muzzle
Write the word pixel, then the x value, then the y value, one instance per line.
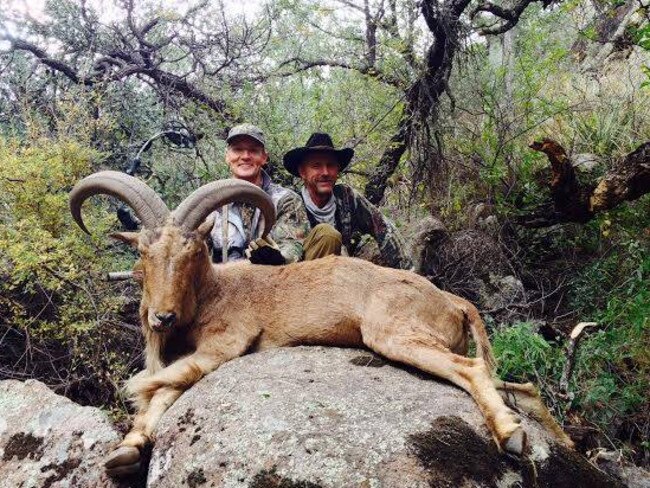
pixel 166 319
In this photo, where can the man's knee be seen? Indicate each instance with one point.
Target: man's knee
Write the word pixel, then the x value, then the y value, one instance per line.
pixel 322 241
pixel 326 232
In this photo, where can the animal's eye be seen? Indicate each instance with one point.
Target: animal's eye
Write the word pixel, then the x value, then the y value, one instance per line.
pixel 190 246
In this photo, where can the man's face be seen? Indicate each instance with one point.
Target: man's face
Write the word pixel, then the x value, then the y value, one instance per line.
pixel 246 156
pixel 319 172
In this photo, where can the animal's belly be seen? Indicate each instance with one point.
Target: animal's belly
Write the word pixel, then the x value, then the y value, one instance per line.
pixel 343 333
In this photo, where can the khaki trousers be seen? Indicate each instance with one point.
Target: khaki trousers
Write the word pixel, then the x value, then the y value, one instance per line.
pixel 322 241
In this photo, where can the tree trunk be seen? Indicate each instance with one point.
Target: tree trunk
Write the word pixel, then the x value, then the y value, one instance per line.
pixel 377 182
pixel 423 96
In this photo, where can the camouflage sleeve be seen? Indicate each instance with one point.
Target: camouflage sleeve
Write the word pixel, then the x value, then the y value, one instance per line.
pixel 370 220
pixel 291 227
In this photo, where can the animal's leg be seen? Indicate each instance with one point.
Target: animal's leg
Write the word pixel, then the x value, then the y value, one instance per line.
pixel 126 458
pixel 213 350
pixel 155 394
pixel 181 374
pixel 469 373
pixel 526 397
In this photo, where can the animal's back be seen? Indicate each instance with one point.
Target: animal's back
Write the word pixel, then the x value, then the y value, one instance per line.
pixel 326 301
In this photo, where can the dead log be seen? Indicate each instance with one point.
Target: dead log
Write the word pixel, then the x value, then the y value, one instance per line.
pixel 569 199
pixel 628 179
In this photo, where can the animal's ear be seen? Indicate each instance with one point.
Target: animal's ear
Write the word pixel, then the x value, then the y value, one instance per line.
pixel 204 229
pixel 130 238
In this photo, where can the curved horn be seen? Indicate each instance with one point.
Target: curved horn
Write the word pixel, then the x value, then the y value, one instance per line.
pixel 202 202
pixel 144 201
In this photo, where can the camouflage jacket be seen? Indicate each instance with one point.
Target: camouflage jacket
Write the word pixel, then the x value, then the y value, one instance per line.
pixel 355 217
pixel 243 221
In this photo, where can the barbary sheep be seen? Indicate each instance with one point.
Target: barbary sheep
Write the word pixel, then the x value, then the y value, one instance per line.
pixel 196 315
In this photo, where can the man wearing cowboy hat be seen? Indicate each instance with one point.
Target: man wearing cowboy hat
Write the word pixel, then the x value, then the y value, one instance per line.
pixel 338 215
pixel 235 232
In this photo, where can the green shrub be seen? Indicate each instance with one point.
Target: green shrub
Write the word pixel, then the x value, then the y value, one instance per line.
pixel 612 376
pixel 60 321
pixel 524 355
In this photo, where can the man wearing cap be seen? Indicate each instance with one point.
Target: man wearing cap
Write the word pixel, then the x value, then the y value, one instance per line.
pixel 236 225
pixel 338 215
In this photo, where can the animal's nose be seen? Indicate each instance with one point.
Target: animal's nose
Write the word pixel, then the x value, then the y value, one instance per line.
pixel 166 319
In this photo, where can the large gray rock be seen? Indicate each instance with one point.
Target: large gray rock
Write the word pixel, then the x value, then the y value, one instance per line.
pixel 501 292
pixel 49 441
pixel 470 263
pixel 326 417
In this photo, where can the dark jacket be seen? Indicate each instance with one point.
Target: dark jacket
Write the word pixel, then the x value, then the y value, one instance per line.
pixel 355 217
pixel 243 226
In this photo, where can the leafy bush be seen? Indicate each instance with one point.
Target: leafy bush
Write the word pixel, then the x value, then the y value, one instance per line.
pixel 59 321
pixel 612 377
pixel 524 355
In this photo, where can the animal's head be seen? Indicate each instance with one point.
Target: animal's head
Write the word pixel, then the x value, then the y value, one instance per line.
pixel 174 257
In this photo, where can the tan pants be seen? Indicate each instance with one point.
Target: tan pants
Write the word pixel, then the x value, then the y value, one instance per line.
pixel 322 241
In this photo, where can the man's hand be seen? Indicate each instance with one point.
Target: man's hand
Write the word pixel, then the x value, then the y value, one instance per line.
pixel 264 251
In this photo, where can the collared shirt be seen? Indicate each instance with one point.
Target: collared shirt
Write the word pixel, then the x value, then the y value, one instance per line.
pixel 243 225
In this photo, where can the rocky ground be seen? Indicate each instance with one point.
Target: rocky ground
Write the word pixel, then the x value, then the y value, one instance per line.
pixel 306 417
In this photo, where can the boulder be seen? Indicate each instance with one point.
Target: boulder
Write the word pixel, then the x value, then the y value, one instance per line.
pixel 613 463
pixel 470 263
pixel 500 292
pixel 310 417
pixel 48 441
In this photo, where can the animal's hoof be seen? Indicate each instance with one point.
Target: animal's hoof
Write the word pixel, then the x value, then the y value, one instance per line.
pixel 122 471
pixel 565 440
pixel 123 461
pixel 517 442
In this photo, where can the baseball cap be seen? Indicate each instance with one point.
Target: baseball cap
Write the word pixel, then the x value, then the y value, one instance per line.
pixel 246 130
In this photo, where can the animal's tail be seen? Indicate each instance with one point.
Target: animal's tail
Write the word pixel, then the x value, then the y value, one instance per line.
pixel 479 334
pixel 474 323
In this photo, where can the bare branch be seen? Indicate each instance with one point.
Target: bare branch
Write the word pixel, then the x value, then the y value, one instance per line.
pixel 510 16
pixel 352 5
pixel 574 341
pixel 305 64
pixel 60 66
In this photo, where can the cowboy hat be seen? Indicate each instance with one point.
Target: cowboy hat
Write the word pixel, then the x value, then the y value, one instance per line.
pixel 318 142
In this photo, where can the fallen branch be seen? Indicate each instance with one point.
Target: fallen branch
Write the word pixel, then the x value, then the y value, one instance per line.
pixel 120 275
pixel 628 179
pixel 574 340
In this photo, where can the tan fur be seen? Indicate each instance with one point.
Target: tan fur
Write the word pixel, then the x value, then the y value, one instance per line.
pixel 225 311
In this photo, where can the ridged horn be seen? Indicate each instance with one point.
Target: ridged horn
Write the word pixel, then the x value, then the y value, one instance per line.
pixel 203 201
pixel 145 202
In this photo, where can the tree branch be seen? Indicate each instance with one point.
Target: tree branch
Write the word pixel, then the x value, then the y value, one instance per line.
pixel 22 45
pixel 572 347
pixel 129 66
pixel 307 64
pixel 628 180
pixel 509 15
